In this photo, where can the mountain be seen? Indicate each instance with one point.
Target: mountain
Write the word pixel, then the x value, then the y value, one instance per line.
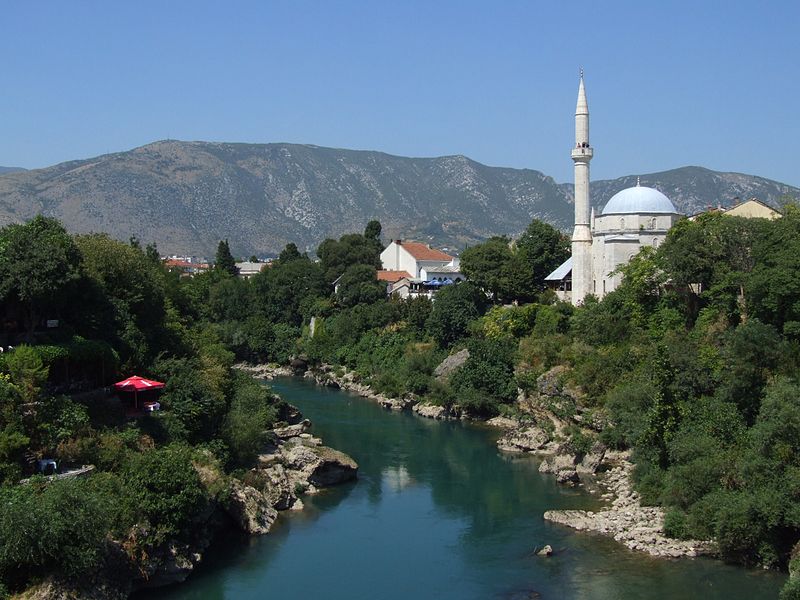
pixel 10 169
pixel 188 195
pixel 694 189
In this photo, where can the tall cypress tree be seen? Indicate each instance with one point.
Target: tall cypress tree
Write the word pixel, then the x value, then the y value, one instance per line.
pixel 224 260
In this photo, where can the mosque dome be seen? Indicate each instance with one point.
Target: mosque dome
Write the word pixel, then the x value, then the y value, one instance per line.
pixel 639 199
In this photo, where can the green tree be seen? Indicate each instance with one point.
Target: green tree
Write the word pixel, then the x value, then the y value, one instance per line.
pixel 39 265
pixel 224 260
pixel 358 285
pixel 290 253
pixel 456 306
pixel 543 248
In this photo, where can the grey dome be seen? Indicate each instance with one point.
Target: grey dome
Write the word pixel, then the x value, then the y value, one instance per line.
pixel 638 199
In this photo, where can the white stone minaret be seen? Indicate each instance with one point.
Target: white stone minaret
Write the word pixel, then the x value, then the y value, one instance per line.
pixel 582 235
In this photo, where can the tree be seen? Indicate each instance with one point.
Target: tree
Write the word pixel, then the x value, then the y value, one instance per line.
pixel 39 264
pixel 351 249
pixel 283 292
pixel 129 308
pixel 290 253
pixel 486 265
pixel 543 248
pixel 358 285
pixel 224 260
pixel 455 307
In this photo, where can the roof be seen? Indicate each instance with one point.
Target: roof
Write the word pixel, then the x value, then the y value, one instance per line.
pixel 422 251
pixel 561 272
pixel 392 276
pixel 444 269
pixel 637 200
pixel 250 267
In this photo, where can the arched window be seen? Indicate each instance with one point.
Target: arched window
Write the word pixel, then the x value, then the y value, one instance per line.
pixel 622 223
pixel 653 223
pixel 655 242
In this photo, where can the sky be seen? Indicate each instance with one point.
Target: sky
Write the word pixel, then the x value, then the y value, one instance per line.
pixel 669 84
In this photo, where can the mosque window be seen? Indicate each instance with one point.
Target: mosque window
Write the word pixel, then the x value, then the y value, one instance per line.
pixel 653 223
pixel 622 223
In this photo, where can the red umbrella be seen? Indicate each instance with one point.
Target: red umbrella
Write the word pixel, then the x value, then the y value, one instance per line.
pixel 137 384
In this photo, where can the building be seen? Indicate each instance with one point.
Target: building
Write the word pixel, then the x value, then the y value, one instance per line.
pixel 247 268
pixel 632 219
pixel 749 209
pixel 419 260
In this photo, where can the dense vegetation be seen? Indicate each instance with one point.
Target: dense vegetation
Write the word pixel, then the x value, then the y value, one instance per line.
pixel 692 364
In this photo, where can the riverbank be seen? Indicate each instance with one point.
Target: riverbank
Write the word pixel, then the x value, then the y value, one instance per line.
pixel 638 527
pixel 293 464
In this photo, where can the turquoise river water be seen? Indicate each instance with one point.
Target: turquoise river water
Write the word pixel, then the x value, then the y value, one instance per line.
pixel 438 512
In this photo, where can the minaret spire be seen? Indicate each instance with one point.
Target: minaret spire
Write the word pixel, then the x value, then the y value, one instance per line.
pixel 582 278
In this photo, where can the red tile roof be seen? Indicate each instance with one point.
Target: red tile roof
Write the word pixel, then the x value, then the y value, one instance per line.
pixel 424 252
pixel 392 276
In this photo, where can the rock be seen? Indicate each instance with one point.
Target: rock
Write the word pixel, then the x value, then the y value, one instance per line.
pixel 590 463
pixel 278 490
pixel 434 411
pixel 546 550
pixel 568 476
pixel 290 431
pixel 450 364
pixel 250 509
pixel 503 423
pixel 298 365
pixel 638 527
pixel 524 440
pixel 557 463
pixel 334 468
pixel 289 414
pixel 550 383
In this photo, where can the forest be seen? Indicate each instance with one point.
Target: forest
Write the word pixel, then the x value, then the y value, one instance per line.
pixel 691 364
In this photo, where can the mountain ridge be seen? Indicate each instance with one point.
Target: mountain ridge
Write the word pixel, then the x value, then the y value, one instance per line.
pixel 187 195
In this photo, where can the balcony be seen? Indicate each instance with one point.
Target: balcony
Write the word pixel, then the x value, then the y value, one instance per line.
pixel 586 153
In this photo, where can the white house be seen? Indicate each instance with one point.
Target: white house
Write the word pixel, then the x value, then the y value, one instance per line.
pixel 421 261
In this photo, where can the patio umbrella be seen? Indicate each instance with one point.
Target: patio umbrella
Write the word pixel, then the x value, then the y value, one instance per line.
pixel 137 384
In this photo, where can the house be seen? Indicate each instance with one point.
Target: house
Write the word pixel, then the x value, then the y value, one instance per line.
pixel 427 268
pixel 186 266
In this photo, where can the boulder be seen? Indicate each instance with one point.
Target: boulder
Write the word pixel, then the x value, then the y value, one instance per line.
pixel 450 364
pixel 290 431
pixel 433 411
pixel 591 461
pixel 527 439
pixel 250 509
pixel 546 550
pixel 299 365
pixel 334 468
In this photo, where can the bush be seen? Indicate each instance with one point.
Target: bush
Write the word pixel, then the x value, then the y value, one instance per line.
pixel 166 492
pixel 57 527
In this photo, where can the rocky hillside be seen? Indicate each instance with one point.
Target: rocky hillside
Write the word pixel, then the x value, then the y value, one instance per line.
pixel 187 195
pixel 694 189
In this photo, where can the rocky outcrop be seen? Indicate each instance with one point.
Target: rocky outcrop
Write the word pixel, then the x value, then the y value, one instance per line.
pixel 435 411
pixel 250 509
pixel 524 439
pixel 450 364
pixel 268 371
pixel 333 467
pixel 627 521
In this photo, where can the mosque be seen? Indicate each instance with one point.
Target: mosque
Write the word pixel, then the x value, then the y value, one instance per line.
pixel 632 219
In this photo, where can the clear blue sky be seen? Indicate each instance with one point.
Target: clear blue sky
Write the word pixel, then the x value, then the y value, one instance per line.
pixel 669 84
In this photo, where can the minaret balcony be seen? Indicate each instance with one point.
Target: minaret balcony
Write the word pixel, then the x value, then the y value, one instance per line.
pixel 585 152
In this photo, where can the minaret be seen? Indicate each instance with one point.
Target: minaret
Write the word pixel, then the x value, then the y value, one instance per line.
pixel 582 235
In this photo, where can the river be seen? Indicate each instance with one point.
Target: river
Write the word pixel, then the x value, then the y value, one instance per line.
pixel 438 512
